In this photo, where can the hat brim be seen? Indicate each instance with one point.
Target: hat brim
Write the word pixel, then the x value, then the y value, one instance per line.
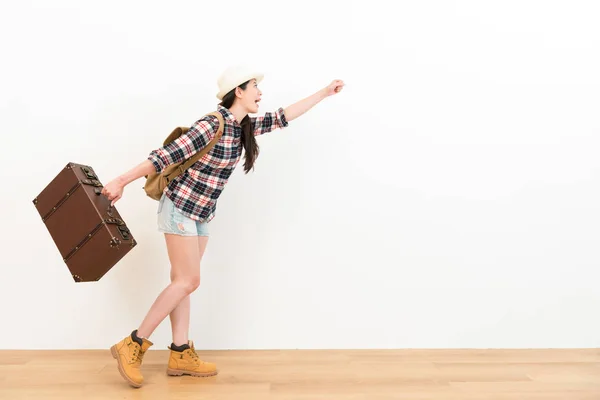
pixel 257 75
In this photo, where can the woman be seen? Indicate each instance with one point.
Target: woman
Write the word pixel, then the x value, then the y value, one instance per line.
pixel 188 205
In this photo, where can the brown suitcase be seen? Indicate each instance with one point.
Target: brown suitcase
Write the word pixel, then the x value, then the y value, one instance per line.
pixel 89 233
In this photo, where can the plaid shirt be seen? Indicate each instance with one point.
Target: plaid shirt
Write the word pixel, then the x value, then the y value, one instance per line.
pixel 195 192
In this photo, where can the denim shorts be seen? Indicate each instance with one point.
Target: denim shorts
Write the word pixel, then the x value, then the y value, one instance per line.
pixel 171 220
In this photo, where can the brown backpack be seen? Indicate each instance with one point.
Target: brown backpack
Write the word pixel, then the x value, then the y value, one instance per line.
pixel 156 183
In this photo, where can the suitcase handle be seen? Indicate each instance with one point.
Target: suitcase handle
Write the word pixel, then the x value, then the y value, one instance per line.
pixel 97 189
pixel 111 208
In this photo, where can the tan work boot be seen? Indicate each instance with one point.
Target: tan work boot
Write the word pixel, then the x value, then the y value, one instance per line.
pixel 129 353
pixel 187 362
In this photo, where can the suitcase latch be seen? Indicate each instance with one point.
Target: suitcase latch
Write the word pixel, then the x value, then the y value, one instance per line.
pixel 89 173
pixel 93 182
pixel 124 231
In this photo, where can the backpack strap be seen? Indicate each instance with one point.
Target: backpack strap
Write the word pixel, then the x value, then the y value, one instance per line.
pixel 190 161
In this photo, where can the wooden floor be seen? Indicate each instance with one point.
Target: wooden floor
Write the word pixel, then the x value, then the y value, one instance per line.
pixel 339 375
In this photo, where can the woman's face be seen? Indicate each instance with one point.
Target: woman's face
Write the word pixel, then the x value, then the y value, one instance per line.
pixel 250 96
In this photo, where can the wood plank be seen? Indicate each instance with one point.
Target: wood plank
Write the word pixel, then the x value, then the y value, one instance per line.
pixel 455 374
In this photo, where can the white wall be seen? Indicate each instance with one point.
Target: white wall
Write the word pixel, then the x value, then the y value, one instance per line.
pixel 447 198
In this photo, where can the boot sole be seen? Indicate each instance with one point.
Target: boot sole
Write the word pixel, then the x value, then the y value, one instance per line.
pixel 180 372
pixel 115 354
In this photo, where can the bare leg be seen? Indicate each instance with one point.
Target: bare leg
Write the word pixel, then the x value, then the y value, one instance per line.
pixel 180 322
pixel 184 256
pixel 180 316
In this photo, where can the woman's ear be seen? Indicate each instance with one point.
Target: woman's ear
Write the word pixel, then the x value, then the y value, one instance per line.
pixel 238 92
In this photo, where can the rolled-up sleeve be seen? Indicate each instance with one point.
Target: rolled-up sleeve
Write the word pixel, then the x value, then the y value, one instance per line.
pixel 269 122
pixel 195 139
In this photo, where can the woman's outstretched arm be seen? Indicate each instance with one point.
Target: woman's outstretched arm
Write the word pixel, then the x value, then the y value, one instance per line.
pixel 299 108
pixel 282 116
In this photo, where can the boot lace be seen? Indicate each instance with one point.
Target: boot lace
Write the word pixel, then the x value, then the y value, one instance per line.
pixel 196 357
pixel 137 355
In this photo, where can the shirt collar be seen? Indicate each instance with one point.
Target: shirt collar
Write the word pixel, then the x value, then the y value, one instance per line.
pixel 227 115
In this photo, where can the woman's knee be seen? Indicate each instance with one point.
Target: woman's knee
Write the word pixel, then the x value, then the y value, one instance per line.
pixel 188 283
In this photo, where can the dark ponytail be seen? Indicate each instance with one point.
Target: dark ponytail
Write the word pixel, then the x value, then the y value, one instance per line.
pixel 248 139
